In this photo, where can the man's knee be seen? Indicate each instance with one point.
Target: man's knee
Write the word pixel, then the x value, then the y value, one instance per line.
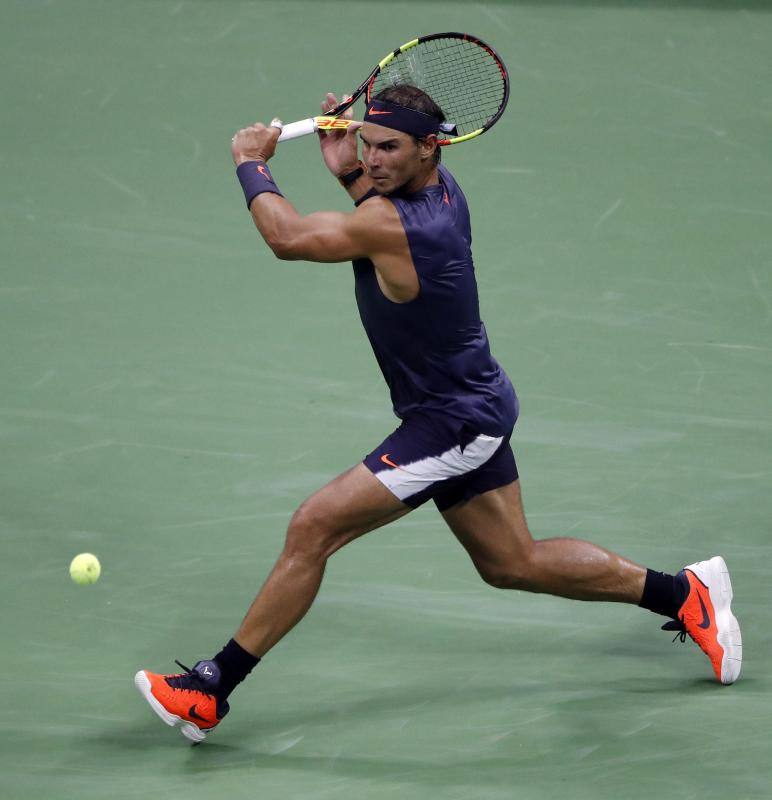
pixel 311 534
pixel 504 579
pixel 515 574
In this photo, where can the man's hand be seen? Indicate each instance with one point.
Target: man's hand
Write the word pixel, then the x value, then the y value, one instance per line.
pixel 255 143
pixel 340 149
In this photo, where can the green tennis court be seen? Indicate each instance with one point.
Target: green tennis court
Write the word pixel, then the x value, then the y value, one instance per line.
pixel 171 392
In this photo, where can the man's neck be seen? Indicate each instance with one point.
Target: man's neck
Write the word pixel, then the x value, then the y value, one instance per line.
pixel 430 178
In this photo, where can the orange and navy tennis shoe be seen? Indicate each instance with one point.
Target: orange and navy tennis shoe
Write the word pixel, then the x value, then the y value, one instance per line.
pixel 706 615
pixel 187 699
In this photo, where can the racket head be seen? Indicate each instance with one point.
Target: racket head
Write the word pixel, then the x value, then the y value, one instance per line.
pixel 462 74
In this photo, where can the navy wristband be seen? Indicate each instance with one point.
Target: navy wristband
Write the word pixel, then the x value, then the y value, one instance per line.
pixel 366 196
pixel 256 178
pixel 351 177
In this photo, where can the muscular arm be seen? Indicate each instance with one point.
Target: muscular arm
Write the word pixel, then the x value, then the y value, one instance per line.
pixel 373 230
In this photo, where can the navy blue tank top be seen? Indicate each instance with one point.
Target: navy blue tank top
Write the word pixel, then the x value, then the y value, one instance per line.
pixel 433 351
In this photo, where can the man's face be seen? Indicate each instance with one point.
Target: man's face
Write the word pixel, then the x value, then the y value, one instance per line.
pixel 393 158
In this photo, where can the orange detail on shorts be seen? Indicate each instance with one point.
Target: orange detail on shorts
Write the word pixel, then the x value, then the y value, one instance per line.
pixel 699 618
pixel 386 460
pixel 188 704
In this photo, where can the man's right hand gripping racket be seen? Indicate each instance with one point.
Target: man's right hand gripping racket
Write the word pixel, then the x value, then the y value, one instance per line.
pixel 461 73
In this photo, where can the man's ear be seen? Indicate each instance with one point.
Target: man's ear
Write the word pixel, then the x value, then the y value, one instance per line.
pixel 427 146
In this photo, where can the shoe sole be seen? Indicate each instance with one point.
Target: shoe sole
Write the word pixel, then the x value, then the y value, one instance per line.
pixel 715 575
pixel 190 731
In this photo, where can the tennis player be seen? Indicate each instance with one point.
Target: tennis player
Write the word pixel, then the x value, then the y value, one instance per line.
pixel 409 238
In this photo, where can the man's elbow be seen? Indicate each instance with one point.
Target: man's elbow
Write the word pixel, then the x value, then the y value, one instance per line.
pixel 283 253
pixel 283 250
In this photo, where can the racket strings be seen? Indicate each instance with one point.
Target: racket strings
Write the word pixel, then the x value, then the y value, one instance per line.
pixel 461 76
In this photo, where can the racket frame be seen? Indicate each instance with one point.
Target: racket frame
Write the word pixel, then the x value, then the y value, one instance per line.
pixel 331 120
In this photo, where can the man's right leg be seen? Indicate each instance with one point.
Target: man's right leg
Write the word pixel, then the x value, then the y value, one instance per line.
pixel 351 505
pixel 492 528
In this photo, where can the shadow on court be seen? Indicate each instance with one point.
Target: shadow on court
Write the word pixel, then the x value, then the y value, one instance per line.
pixel 450 773
pixel 418 700
pixel 688 687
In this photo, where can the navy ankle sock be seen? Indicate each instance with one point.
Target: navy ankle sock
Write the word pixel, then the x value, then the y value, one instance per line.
pixel 235 664
pixel 664 594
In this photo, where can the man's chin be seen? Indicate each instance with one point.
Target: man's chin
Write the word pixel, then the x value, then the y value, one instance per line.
pixel 385 187
pixel 382 185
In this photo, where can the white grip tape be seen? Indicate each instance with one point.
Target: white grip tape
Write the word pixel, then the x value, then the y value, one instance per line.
pixel 294 130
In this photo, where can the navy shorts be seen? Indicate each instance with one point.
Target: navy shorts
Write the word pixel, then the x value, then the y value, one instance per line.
pixel 442 460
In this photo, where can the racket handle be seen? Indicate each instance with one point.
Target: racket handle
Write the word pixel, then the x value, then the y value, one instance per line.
pixel 295 130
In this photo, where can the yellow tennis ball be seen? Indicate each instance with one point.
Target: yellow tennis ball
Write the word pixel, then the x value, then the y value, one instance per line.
pixel 85 569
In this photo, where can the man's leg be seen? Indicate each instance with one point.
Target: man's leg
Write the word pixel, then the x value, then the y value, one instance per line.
pixel 493 529
pixel 350 505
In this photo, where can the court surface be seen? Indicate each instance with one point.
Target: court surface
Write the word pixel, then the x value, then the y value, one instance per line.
pixel 171 392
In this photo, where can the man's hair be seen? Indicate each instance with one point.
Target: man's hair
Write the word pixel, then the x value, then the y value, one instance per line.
pixel 415 98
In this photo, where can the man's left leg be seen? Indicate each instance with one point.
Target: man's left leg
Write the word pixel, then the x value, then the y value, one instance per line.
pixel 492 528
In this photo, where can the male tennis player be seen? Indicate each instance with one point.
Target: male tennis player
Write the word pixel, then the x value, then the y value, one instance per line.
pixel 409 239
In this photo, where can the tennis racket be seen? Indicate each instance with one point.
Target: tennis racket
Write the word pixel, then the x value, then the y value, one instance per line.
pixel 461 73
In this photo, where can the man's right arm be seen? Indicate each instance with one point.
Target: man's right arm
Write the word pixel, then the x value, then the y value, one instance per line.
pixel 374 230
pixel 328 236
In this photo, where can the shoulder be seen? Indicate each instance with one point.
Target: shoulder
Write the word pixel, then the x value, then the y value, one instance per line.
pixel 378 223
pixel 377 214
pixel 376 207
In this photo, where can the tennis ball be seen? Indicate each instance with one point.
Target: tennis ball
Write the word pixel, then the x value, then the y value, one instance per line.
pixel 85 569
